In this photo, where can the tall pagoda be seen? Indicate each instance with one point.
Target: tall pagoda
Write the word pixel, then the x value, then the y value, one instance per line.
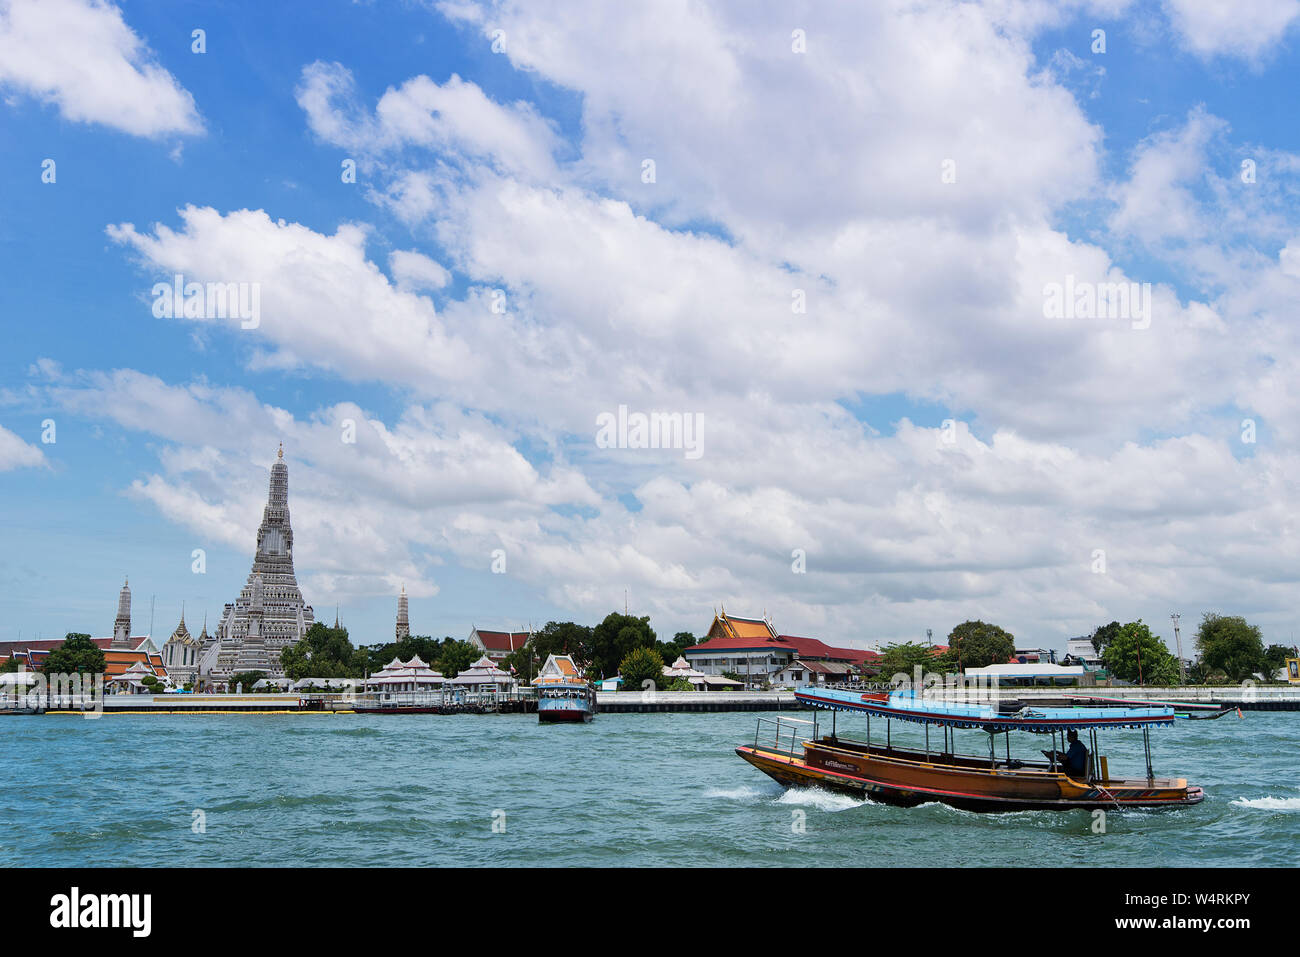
pixel 269 613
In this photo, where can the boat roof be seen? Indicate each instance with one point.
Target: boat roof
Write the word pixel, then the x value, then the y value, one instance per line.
pixel 906 706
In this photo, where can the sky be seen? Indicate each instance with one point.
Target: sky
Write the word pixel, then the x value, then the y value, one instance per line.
pixel 964 310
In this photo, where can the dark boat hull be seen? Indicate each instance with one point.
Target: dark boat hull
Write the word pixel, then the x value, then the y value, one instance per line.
pixel 910 782
pixel 567 716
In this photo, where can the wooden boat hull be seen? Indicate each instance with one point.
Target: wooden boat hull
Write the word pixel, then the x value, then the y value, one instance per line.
pixel 905 778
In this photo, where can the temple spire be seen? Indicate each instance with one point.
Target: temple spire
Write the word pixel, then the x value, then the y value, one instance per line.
pixel 122 623
pixel 403 616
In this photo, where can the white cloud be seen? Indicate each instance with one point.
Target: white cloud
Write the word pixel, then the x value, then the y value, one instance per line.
pixel 455 117
pixel 322 301
pixel 1246 30
pixel 82 56
pixel 818 172
pixel 412 270
pixel 17 454
pixel 1157 201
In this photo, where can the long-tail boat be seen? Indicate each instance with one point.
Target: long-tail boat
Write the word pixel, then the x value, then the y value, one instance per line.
pixel 882 771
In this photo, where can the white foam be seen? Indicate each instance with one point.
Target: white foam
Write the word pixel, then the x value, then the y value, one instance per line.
pixel 749 794
pixel 1270 803
pixel 821 800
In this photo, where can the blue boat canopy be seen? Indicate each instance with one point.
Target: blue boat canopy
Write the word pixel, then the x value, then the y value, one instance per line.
pixel 906 706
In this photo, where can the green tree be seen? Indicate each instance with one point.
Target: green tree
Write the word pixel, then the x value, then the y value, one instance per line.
pixel 564 638
pixel 456 656
pixel 615 637
pixel 323 652
pixel 1231 645
pixel 77 655
pixel 525 661
pixel 244 680
pixel 427 649
pixel 902 658
pixel 9 665
pixel 670 651
pixel 978 644
pixel 1103 635
pixel 1276 656
pixel 1134 654
pixel 640 665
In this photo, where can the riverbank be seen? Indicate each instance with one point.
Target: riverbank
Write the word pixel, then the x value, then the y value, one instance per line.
pixel 1272 698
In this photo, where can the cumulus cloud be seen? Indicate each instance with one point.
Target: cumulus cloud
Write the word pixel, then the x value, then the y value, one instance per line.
pixel 798 249
pixel 454 117
pixel 371 497
pixel 81 56
pixel 1246 30
pixel 17 454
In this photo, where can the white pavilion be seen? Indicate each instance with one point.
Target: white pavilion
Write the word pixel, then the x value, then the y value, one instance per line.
pixel 483 674
pixel 406 676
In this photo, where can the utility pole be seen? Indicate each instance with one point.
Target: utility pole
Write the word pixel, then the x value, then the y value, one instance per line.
pixel 1178 641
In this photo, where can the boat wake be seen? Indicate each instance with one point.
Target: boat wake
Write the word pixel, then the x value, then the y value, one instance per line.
pixel 821 800
pixel 748 795
pixel 1270 803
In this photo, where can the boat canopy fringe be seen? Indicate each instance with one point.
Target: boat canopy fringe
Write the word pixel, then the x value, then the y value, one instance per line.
pixel 906 706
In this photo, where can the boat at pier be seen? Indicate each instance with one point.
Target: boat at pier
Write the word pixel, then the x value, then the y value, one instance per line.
pixel 563 694
pixel 882 771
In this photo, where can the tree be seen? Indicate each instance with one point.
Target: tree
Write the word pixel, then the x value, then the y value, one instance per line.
pixel 1231 645
pixel 1134 654
pixel 1276 656
pixel 670 651
pixel 77 655
pixel 978 644
pixel 152 683
pixel 903 658
pixel 457 656
pixel 524 661
pixel 564 638
pixel 427 649
pixel 639 666
pixel 1104 635
pixel 323 652
pixel 244 680
pixel 9 665
pixel 615 637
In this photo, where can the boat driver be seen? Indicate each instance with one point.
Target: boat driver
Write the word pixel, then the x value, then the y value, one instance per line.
pixel 1076 758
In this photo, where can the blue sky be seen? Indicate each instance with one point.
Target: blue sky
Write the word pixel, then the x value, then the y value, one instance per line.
pixel 822 437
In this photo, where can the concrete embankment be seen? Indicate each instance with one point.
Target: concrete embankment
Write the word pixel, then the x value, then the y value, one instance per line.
pixel 641 702
pixel 609 702
pixel 1248 698
pixel 1266 698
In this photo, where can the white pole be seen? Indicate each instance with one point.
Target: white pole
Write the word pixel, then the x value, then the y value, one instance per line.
pixel 1178 640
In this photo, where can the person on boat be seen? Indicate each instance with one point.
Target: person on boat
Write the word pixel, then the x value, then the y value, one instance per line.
pixel 1076 758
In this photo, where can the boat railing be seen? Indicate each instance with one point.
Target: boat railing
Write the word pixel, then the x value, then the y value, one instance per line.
pixel 781 731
